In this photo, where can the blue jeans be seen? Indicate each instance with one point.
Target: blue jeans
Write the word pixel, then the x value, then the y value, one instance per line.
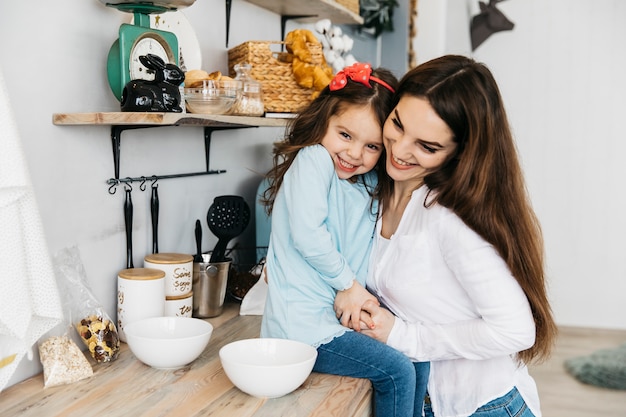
pixel 392 374
pixel 510 404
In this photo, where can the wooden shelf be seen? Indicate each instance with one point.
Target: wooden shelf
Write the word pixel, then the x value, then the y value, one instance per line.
pixel 122 121
pixel 163 119
pixel 311 10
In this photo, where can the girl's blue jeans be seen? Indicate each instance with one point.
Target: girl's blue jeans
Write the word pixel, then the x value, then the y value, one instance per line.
pixel 399 384
pixel 510 404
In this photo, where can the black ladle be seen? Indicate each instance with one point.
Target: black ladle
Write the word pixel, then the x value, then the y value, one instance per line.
pixel 228 217
pixel 128 220
pixel 154 211
pixel 198 233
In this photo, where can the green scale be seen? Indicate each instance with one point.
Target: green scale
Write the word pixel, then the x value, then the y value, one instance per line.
pixel 139 39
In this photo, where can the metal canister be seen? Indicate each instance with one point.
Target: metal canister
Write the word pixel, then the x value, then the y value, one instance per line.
pixel 209 287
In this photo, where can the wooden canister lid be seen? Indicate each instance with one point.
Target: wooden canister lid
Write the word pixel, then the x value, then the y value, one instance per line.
pixel 141 273
pixel 179 297
pixel 168 258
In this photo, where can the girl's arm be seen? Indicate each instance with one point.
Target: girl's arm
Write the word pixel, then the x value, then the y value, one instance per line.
pixel 306 187
pixel 349 305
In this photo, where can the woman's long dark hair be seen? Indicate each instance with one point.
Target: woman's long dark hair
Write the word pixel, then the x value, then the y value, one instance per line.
pixel 483 181
pixel 310 125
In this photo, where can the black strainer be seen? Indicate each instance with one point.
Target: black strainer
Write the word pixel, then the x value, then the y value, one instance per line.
pixel 228 217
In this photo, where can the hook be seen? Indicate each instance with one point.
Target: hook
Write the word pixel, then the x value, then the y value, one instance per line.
pixel 127 185
pixel 113 187
pixel 154 179
pixel 142 186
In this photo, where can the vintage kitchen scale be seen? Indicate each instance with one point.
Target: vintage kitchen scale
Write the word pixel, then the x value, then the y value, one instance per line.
pixel 137 39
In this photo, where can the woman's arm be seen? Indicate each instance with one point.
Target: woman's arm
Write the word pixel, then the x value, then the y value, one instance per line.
pixel 478 309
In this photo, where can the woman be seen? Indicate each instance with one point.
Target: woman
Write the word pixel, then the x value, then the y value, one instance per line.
pixel 458 253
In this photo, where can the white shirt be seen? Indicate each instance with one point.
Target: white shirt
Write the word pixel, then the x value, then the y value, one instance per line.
pixel 456 305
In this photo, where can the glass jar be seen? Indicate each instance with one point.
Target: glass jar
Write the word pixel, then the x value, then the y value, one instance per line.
pixel 251 101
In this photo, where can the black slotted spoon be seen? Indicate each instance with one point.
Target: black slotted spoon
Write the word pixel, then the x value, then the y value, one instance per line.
pixel 228 217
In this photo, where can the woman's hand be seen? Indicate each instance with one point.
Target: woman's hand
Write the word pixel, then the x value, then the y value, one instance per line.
pixel 348 305
pixel 380 321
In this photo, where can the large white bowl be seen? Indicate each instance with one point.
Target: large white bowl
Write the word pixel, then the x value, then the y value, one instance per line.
pixel 267 368
pixel 168 342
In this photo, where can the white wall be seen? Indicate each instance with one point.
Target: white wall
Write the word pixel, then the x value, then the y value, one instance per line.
pixel 560 71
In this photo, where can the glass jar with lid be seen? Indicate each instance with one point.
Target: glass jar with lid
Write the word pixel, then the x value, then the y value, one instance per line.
pixel 251 101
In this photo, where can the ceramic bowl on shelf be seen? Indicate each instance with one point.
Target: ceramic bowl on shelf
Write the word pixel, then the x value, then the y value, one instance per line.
pixel 267 368
pixel 168 342
pixel 213 97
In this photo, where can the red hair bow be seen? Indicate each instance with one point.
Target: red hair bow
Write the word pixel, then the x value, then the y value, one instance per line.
pixel 358 72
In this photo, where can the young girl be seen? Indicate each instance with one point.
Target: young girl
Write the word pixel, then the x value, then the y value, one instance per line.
pixel 323 216
pixel 458 255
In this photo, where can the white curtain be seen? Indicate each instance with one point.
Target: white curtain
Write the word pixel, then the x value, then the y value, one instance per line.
pixel 29 300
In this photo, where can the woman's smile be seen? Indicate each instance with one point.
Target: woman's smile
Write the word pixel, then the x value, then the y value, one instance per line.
pixel 400 164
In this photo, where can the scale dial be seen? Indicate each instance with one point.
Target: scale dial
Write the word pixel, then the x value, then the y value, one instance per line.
pixel 123 63
pixel 150 43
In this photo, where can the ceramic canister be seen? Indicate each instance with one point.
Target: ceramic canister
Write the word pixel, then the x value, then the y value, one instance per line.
pixel 179 306
pixel 140 295
pixel 178 270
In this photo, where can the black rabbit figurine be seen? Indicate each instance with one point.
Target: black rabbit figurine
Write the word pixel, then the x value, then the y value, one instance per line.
pixel 159 95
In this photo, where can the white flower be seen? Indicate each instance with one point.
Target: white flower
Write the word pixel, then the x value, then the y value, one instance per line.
pixel 348 43
pixel 335 31
pixel 337 44
pixel 330 56
pixel 349 60
pixel 323 26
pixel 339 64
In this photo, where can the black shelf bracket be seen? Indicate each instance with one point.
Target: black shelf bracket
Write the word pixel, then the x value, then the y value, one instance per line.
pixel 116 141
pixel 229 4
pixel 285 18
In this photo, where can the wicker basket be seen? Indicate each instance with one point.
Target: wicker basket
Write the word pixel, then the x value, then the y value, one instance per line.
pixel 281 93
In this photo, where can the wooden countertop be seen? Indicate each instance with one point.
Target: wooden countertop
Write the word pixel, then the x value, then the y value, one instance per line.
pixel 127 387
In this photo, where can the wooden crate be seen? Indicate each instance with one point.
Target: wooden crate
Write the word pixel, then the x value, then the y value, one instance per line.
pixel 281 93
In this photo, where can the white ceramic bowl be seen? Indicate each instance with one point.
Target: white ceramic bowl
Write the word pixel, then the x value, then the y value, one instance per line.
pixel 168 342
pixel 267 368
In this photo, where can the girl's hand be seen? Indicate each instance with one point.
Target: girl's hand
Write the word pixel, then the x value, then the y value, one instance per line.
pixel 382 320
pixel 348 306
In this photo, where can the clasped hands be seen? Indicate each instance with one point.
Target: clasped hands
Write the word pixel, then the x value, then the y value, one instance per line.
pixel 357 309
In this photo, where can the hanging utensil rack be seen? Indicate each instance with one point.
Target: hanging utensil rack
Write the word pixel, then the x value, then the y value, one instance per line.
pixel 116 141
pixel 122 121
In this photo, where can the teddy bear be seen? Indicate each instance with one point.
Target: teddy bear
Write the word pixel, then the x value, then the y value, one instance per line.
pixel 307 72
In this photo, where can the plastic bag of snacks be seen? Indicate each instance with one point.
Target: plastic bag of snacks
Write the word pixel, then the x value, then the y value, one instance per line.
pixel 91 321
pixel 63 361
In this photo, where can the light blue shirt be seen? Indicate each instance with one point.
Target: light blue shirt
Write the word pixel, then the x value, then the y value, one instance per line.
pixel 322 230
